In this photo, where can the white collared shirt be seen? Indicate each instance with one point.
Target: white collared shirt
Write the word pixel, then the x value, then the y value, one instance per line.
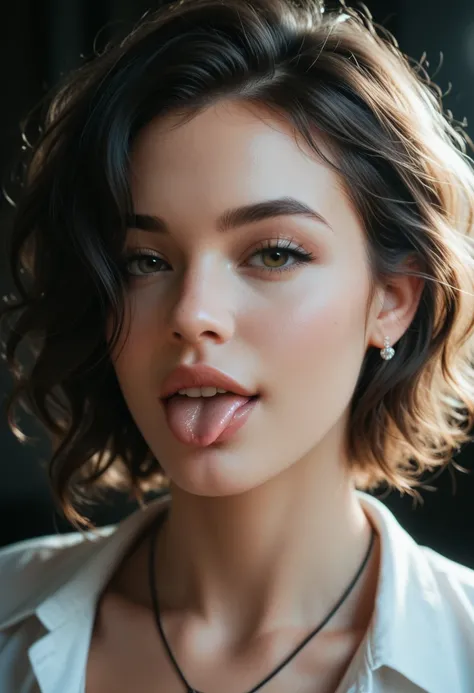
pixel 421 637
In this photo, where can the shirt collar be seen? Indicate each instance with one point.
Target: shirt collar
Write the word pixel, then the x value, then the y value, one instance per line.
pixel 406 633
pixel 69 612
pixel 82 591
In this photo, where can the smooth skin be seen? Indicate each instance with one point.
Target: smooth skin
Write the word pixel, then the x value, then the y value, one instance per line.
pixel 265 532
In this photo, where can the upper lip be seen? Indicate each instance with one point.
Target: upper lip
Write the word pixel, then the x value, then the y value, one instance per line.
pixel 200 375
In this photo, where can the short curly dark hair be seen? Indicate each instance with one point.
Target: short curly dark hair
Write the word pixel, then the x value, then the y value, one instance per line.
pixel 405 167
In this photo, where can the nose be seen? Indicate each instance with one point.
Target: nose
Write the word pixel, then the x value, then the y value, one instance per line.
pixel 204 309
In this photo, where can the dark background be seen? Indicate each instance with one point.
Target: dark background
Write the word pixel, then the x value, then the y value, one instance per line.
pixel 42 39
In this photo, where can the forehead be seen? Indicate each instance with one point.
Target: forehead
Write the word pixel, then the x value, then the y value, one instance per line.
pixel 228 144
pixel 229 155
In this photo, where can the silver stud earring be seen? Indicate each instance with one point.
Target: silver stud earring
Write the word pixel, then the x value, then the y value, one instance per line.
pixel 387 352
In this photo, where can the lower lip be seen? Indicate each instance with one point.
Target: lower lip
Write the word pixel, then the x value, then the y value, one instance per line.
pixel 238 420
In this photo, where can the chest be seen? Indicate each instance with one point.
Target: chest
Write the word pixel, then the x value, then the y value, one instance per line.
pixel 127 654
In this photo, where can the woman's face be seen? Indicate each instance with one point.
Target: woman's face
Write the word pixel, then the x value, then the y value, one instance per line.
pixel 291 331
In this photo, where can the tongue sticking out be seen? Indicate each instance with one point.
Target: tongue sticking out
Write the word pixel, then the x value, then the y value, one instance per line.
pixel 201 420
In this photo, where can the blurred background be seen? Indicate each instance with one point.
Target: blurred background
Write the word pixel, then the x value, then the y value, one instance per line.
pixel 40 40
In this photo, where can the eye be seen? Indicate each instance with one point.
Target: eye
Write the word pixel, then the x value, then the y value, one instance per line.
pixel 147 262
pixel 276 252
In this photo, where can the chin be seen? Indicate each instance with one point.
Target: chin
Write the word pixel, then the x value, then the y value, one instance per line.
pixel 212 478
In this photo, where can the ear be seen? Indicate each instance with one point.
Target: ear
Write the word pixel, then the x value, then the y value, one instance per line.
pixel 394 307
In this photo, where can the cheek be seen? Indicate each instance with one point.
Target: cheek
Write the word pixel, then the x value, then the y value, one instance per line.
pixel 322 317
pixel 138 346
pixel 314 344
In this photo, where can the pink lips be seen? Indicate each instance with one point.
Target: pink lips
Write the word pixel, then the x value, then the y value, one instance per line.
pixel 201 375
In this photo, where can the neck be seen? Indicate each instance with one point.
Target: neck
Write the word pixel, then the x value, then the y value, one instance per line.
pixel 278 556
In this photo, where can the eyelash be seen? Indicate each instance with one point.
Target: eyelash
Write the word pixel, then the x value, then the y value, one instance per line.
pixel 300 255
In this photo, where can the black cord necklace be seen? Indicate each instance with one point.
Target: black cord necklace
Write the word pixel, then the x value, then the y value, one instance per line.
pixel 156 611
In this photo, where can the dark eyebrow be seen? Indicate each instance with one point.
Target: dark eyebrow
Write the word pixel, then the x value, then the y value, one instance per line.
pixel 239 216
